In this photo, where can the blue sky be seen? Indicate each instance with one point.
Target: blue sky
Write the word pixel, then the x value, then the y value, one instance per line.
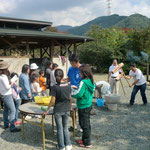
pixel 70 12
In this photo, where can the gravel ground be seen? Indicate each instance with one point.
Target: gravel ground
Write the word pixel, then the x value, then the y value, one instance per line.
pixel 124 129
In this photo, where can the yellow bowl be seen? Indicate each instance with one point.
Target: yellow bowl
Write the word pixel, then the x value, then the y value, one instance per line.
pixel 46 100
pixel 38 99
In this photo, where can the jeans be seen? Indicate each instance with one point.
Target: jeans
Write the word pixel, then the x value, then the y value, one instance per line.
pixel 142 89
pixel 17 104
pixel 63 137
pixel 84 122
pixel 9 108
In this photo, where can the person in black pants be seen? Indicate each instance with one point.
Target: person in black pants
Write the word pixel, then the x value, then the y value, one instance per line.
pixel 84 95
pixel 139 84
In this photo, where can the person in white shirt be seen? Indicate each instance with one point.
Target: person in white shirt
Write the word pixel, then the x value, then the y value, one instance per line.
pixel 35 86
pixel 6 96
pixel 103 88
pixel 139 84
pixel 114 84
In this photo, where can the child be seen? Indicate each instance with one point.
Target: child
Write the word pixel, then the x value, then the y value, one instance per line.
pixel 17 100
pixel 61 97
pixel 84 96
pixel 53 80
pixel 35 87
pixel 42 82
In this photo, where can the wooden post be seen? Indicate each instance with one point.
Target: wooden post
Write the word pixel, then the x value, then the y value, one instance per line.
pixel 52 50
pixel 75 48
pixel 27 47
pixel 41 52
pixel 5 52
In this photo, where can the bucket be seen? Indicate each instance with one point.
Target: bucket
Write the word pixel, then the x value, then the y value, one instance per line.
pixel 100 102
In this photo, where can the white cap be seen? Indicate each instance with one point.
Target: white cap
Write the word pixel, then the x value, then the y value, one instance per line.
pixel 34 66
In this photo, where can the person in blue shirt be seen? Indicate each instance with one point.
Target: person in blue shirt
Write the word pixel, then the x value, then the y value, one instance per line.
pixel 24 83
pixel 74 77
pixel 73 73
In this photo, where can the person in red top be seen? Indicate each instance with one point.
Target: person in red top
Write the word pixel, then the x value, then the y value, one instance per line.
pixel 42 82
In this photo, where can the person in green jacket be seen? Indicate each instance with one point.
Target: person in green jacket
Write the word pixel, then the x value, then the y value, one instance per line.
pixel 84 95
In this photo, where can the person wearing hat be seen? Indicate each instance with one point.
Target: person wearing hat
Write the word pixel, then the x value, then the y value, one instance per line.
pixel 33 70
pixel 139 84
pixel 6 96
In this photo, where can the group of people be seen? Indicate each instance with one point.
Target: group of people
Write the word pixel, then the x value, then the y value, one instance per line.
pixel 78 87
pixel 135 73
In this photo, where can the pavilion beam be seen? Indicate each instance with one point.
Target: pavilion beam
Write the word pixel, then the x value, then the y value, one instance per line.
pixel 10 44
pixel 75 48
pixel 52 50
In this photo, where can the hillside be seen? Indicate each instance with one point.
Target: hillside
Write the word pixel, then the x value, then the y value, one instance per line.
pixel 63 28
pixel 136 20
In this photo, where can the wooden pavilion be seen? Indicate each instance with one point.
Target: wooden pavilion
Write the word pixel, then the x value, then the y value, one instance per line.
pixel 26 36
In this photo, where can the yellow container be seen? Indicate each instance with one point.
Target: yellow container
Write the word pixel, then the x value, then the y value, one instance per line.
pixel 38 99
pixel 46 100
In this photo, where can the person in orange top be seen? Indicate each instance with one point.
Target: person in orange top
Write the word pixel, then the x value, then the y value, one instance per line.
pixel 42 82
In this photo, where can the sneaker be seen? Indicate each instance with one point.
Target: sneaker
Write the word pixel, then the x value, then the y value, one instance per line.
pixel 18 122
pixel 57 147
pixel 15 130
pixel 130 105
pixel 88 146
pixel 6 127
pixel 28 117
pixel 69 147
pixel 144 104
pixel 81 130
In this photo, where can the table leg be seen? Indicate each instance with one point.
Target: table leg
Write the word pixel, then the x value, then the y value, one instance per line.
pixel 22 125
pixel 53 123
pixel 43 132
pixel 74 122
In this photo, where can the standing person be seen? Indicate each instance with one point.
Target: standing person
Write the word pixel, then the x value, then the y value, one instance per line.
pixel 53 80
pixel 84 96
pixel 33 69
pixel 73 73
pixel 16 97
pixel 6 96
pixel 35 86
pixel 24 83
pixel 61 97
pixel 114 84
pixel 42 82
pixel 48 74
pixel 74 77
pixel 139 84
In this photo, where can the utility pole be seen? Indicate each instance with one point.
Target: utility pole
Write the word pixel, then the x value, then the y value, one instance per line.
pixel 109 2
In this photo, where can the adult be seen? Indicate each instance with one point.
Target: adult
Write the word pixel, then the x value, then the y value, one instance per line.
pixel 6 96
pixel 139 84
pixel 24 83
pixel 48 74
pixel 114 84
pixel 33 70
pixel 103 88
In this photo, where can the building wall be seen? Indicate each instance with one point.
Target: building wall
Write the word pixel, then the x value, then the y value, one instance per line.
pixel 17 63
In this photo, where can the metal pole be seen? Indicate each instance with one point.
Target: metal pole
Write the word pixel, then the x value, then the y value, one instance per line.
pixel 66 61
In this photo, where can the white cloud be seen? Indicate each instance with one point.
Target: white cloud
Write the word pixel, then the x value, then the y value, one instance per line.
pixel 7 6
pixel 127 7
pixel 73 16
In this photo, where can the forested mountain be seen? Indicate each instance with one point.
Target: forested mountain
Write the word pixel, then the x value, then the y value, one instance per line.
pixel 134 21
